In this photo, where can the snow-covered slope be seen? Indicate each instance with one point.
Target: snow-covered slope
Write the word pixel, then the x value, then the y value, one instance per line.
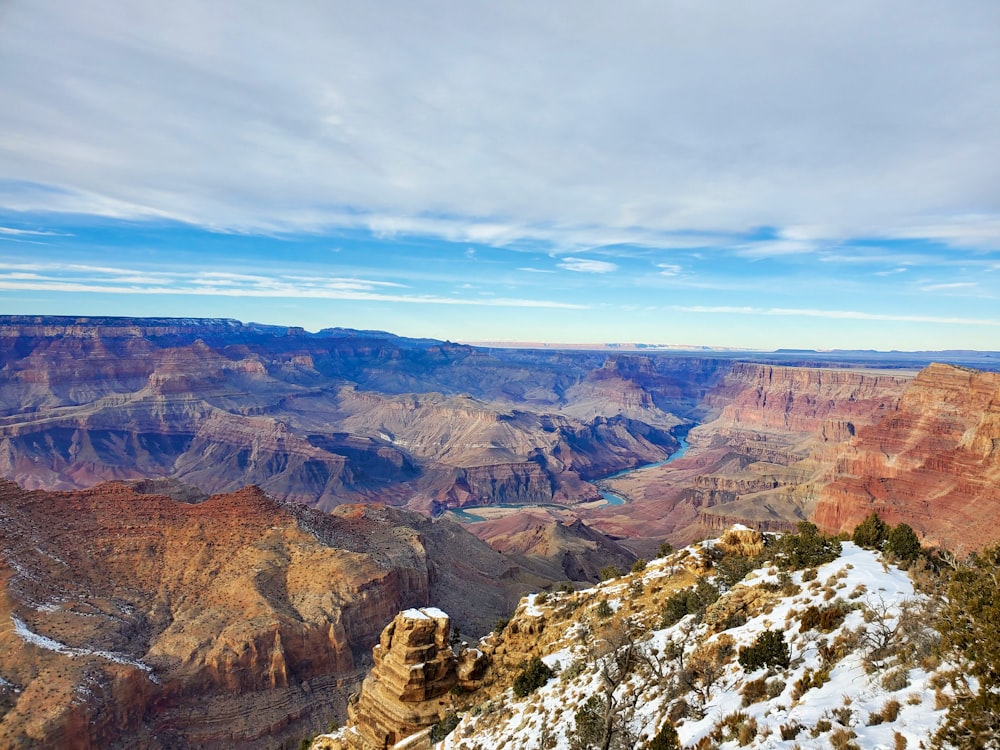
pixel 861 672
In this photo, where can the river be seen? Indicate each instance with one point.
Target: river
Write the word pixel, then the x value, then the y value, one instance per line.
pixel 613 498
pixel 467 514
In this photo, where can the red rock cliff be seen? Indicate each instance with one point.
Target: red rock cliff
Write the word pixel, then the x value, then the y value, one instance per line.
pixel 933 463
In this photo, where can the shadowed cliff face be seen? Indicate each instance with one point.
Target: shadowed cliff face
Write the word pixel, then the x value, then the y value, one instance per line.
pixel 236 621
pixel 328 418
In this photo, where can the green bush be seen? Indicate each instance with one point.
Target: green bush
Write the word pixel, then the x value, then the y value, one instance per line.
pixel 604 609
pixel 769 650
pixel 693 601
pixel 871 533
pixel 608 572
pixel 665 739
pixel 732 569
pixel 807 549
pixel 903 543
pixel 533 677
pixel 968 626
pixel 639 565
pixel 589 723
pixel 444 727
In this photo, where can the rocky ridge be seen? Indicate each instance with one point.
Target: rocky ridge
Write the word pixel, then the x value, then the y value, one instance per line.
pixel 138 620
pixel 609 645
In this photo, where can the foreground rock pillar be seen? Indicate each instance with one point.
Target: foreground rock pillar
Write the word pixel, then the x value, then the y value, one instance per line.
pixel 407 689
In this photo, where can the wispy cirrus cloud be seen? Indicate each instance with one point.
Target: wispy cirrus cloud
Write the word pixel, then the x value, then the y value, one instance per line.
pixel 587 265
pixel 106 280
pixel 512 122
pixel 949 286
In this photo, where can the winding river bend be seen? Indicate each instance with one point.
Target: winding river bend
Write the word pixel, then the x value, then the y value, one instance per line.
pixel 468 515
pixel 613 498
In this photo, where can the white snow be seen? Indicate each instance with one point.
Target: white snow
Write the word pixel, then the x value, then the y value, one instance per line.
pixel 41 641
pixel 852 694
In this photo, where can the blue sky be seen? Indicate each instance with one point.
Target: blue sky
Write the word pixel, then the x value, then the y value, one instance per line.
pixel 761 175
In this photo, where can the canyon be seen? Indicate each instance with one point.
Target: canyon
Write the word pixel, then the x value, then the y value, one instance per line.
pixel 137 620
pixel 207 524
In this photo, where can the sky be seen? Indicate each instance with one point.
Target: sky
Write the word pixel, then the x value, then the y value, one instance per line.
pixel 761 174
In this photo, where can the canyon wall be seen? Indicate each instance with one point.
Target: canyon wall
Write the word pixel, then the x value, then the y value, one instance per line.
pixel 138 620
pixel 933 463
pixel 771 440
pixel 323 419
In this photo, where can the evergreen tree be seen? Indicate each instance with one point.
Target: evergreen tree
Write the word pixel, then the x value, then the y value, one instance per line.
pixel 969 626
pixel 536 674
pixel 871 533
pixel 665 739
pixel 903 542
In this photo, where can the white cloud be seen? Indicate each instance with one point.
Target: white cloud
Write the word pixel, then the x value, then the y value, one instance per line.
pixel 579 126
pixel 669 269
pixel 949 286
pixel 67 278
pixel 587 265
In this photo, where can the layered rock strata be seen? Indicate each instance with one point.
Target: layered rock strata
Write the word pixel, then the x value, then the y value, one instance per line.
pixel 771 441
pixel 324 419
pixel 933 463
pixel 131 620
pixel 407 688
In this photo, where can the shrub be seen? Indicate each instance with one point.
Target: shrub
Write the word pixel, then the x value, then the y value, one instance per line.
pixel 769 650
pixel 732 569
pixel 500 624
pixel 842 739
pixel 790 731
pixel 604 609
pixel 693 601
pixel 810 679
pixel 754 691
pixel 889 712
pixel 903 543
pixel 806 549
pixel 533 677
pixel 824 619
pixel 896 679
pixel 608 572
pixel 639 565
pixel 444 727
pixel 665 549
pixel 665 739
pixel 589 720
pixel 871 533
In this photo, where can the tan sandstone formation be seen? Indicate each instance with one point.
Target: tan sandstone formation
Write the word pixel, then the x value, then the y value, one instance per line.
pixel 131 620
pixel 407 690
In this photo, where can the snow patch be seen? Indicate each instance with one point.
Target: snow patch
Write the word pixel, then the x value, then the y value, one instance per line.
pixel 41 641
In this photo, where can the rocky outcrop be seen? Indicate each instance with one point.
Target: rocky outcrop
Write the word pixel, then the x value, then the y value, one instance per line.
pixel 559 548
pixel 407 688
pixel 933 463
pixel 237 621
pixel 802 399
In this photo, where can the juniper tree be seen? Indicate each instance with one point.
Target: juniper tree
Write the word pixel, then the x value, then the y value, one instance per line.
pixel 969 625
pixel 871 533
